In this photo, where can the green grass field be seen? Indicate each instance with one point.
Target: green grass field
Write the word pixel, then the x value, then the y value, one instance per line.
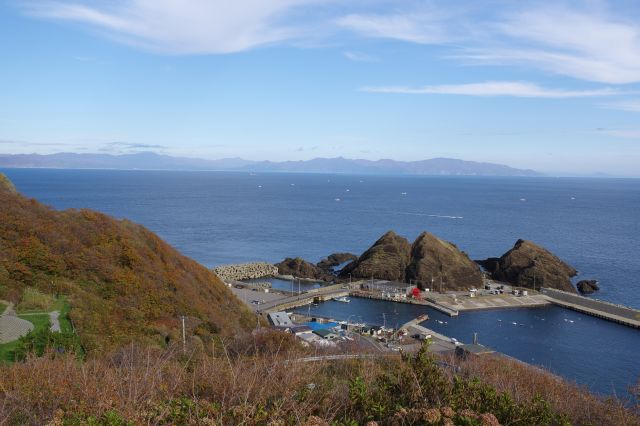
pixel 39 321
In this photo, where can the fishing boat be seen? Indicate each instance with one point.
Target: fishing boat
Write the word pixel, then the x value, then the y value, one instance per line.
pixel 342 299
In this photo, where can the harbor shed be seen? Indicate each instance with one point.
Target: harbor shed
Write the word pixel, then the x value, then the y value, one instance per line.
pixel 280 319
pixel 326 334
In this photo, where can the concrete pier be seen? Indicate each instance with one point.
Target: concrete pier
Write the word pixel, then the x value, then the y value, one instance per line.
pixel 424 302
pixel 597 308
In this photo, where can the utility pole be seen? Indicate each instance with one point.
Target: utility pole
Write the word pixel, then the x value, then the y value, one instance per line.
pixel 184 337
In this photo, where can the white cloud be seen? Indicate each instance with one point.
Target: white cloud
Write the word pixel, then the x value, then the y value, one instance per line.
pixel 496 88
pixel 185 26
pixel 416 28
pixel 583 40
pixel 360 57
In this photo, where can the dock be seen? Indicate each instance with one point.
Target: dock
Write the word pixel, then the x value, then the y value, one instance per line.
pixel 302 299
pixel 424 302
pixel 597 308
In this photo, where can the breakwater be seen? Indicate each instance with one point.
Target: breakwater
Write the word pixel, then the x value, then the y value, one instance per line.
pixel 245 271
pixel 605 310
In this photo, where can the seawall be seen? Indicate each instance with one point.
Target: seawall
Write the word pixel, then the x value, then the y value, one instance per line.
pixel 245 271
pixel 598 308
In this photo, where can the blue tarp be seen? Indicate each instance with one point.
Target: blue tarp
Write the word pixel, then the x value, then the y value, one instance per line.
pixel 321 326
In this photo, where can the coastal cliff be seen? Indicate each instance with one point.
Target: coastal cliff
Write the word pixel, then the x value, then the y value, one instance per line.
pixel 386 259
pixel 435 260
pixel 432 262
pixel 429 259
pixel 528 264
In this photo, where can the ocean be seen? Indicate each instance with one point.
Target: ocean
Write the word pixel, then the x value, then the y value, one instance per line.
pixel 224 217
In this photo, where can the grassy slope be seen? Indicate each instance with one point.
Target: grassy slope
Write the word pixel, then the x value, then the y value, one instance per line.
pixel 123 282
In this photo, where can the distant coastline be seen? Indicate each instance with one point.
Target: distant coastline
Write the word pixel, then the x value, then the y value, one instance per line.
pixel 338 165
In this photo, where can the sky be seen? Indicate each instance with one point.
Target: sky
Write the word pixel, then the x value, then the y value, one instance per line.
pixel 551 86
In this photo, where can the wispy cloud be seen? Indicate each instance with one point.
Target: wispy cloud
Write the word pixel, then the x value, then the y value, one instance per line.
pixel 182 27
pixel 584 40
pixel 30 144
pixel 124 147
pixel 360 57
pixel 585 44
pixel 495 89
pixel 632 105
pixel 423 28
pixel 621 133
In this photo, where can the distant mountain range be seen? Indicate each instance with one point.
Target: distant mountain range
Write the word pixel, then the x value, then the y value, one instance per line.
pixel 154 161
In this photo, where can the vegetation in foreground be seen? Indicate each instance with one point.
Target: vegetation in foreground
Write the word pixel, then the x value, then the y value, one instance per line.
pixel 261 381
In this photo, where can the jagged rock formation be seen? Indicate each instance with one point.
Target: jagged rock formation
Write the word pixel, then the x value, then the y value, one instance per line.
pixel 335 259
pixel 588 286
pixel 527 264
pixel 300 268
pixel 387 259
pixel 433 259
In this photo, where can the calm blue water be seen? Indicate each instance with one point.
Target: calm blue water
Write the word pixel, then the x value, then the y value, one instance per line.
pixel 290 286
pixel 219 218
pixel 592 352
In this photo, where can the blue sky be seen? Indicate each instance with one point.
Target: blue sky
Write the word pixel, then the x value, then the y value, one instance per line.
pixel 553 86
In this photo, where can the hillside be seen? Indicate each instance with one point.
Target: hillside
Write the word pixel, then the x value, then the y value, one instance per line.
pixel 123 282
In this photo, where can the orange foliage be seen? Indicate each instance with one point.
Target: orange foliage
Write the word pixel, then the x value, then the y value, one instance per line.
pixel 124 283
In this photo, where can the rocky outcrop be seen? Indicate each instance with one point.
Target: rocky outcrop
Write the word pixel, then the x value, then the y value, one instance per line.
pixel 245 271
pixel 527 264
pixel 300 268
pixel 335 259
pixel 387 259
pixel 435 260
pixel 588 286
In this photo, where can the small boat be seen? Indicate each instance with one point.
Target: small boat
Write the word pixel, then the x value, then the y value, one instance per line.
pixel 342 299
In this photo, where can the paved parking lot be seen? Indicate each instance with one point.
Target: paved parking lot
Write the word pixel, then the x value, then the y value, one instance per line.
pixel 248 296
pixel 466 303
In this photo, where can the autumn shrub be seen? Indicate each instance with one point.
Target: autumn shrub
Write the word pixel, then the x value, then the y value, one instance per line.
pixel 33 300
pixel 142 385
pixel 37 342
